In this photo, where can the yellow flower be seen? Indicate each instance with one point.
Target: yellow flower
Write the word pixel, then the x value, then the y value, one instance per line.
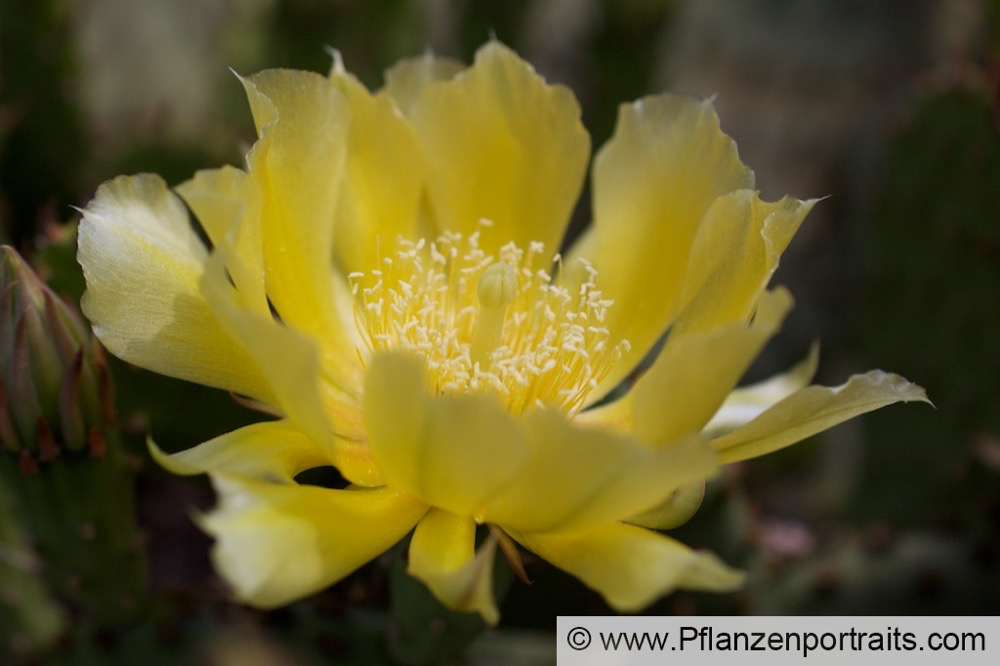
pixel 383 277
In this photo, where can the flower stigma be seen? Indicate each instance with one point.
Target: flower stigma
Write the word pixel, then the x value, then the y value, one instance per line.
pixel 496 288
pixel 489 324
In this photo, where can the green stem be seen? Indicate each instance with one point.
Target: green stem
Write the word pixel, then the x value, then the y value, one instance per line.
pixel 30 620
pixel 80 512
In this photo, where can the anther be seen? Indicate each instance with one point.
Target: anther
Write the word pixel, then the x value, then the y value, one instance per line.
pixel 496 290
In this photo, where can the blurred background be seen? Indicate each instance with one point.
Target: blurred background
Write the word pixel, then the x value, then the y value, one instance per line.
pixel 889 108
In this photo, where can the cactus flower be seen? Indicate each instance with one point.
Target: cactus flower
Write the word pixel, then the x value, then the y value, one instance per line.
pixel 383 276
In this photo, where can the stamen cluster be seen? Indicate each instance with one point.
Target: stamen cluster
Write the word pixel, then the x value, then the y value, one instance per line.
pixel 552 348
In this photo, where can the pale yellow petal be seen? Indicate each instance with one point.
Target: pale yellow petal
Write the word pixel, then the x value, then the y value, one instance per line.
pixel 142 262
pixel 502 145
pixel 614 416
pixel 288 358
pixel 354 459
pixel 632 567
pixel 276 543
pixel 270 451
pixel 383 178
pixel 675 511
pixel 452 452
pixel 218 199
pixel 228 207
pixel 305 381
pixel 407 78
pixel 694 373
pixel 814 409
pixel 654 181
pixel 298 166
pixel 442 555
pixel 748 402
pixel 300 382
pixel 583 477
pixel 736 251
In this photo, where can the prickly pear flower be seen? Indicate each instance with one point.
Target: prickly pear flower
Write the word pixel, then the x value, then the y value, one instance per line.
pixel 384 277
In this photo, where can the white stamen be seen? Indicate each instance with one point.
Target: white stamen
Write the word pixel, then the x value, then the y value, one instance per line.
pixel 484 323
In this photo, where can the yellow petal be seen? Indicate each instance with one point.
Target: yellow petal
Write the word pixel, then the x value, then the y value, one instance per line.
pixel 614 416
pixel 383 178
pixel 582 477
pixel 294 374
pixel 632 567
pixel 442 555
pixel 229 208
pixel 302 387
pixel 748 402
pixel 653 183
pixel 736 251
pixel 674 512
pixel 228 203
pixel 142 262
pixel 407 78
pixel 500 144
pixel 355 461
pixel 451 452
pixel 814 409
pixel 276 543
pixel 271 451
pixel 218 198
pixel 695 372
pixel 297 165
pixel 308 385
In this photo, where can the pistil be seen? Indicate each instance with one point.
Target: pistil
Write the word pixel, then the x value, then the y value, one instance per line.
pixel 497 288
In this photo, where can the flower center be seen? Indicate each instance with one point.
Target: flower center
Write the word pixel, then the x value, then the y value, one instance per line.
pixel 488 324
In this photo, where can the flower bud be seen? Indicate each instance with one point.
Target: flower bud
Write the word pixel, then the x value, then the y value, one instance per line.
pixel 55 386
